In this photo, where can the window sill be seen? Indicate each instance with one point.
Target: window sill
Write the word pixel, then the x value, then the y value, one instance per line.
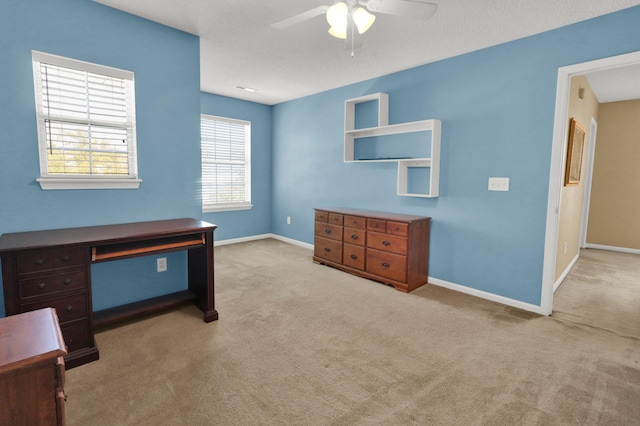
pixel 227 207
pixel 84 183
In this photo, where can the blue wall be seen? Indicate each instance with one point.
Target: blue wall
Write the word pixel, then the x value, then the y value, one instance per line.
pixel 496 106
pixel 257 221
pixel 497 111
pixel 167 77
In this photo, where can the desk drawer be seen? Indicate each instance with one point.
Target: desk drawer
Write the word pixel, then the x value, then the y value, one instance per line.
pixel 52 284
pixel 69 308
pixel 385 242
pixel 355 222
pixel 51 259
pixel 322 216
pixel 77 336
pixel 387 265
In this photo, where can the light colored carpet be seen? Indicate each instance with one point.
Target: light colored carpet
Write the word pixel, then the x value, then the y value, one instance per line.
pixel 303 344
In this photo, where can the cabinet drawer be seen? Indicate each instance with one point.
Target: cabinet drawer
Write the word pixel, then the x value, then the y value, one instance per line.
pixel 336 218
pixel 398 228
pixel 68 308
pixel 387 265
pixel 354 236
pixel 377 225
pixel 326 230
pixel 355 222
pixel 353 256
pixel 51 259
pixel 322 216
pixel 77 336
pixel 385 242
pixel 52 284
pixel 328 249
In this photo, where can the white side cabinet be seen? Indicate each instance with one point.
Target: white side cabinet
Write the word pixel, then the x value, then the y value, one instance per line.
pixel 405 164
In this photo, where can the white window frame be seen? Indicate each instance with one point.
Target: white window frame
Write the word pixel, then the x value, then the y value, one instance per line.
pixel 220 206
pixel 49 181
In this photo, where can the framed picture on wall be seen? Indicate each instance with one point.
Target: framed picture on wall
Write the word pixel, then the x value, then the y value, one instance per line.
pixel 574 153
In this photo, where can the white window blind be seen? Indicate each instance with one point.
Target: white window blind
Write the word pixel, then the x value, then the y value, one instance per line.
pixel 226 164
pixel 86 124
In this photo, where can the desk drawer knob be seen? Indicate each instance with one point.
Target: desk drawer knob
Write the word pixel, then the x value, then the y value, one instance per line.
pixel 327 231
pixel 354 237
pixel 68 308
pixel 327 249
pixel 385 265
pixel 354 257
pixel 41 285
pixel 40 262
pixel 386 243
pixel 65 258
pixel 67 281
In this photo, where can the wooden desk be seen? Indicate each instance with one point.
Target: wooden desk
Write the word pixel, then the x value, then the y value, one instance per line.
pixel 31 369
pixel 53 269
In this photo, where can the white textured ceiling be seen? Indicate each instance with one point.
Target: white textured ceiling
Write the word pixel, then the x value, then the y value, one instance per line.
pixel 238 46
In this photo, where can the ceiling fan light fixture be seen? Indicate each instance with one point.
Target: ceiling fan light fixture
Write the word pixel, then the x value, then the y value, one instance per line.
pixel 337 14
pixel 362 19
pixel 338 32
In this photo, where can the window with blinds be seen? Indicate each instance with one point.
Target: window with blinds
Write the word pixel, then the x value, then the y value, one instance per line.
pixel 226 163
pixel 86 124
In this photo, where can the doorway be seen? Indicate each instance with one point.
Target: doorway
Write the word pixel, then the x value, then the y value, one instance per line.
pixel 557 160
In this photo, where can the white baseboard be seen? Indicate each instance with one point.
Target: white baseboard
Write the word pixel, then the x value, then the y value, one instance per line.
pixel 262 237
pixel 613 248
pixel 488 296
pixel 565 273
pixel 456 287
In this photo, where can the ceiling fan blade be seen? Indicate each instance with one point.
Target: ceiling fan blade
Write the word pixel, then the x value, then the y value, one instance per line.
pixel 417 9
pixel 301 17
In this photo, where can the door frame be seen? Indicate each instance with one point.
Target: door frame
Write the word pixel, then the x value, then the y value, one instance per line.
pixel 557 162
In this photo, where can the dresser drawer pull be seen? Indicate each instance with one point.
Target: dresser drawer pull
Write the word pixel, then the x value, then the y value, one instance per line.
pixel 67 281
pixel 327 231
pixel 327 249
pixel 354 257
pixel 41 285
pixel 386 243
pixel 385 265
pixel 354 237
pixel 69 308
pixel 40 262
pixel 65 258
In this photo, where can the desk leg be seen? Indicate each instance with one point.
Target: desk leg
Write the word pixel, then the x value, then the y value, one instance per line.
pixel 201 278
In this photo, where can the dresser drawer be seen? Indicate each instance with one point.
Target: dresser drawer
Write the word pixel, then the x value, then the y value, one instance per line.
pixel 330 250
pixel 377 225
pixel 52 284
pixel 387 265
pixel 353 256
pixel 355 222
pixel 322 216
pixel 354 236
pixel 51 259
pixel 398 228
pixel 336 218
pixel 385 242
pixel 326 230
pixel 77 336
pixel 69 308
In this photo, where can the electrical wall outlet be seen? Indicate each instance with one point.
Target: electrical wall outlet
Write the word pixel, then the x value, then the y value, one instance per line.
pixel 498 184
pixel 162 264
pixel 288 220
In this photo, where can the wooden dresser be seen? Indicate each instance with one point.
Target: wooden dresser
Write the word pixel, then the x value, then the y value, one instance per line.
pixel 386 247
pixel 31 369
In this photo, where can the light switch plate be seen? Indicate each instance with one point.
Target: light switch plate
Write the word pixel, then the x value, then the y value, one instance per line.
pixel 498 184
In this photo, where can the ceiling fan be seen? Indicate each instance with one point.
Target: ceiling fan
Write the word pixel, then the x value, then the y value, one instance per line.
pixel 345 17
